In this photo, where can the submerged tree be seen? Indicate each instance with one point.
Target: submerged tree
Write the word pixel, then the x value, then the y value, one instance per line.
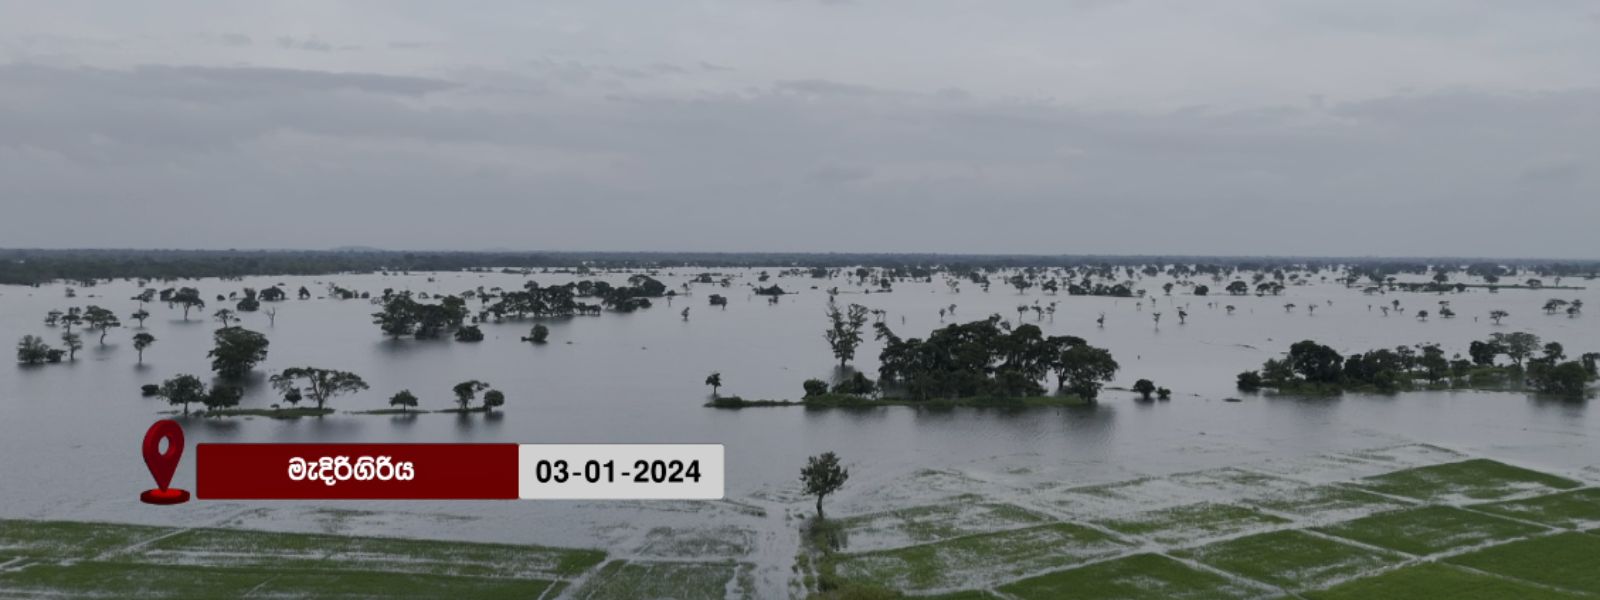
pixel 31 350
pixel 140 315
pixel 823 475
pixel 189 298
pixel 470 333
pixel 1516 346
pixel 466 391
pixel 321 385
pixel 237 351
pixel 101 319
pixel 1145 387
pixel 844 330
pixel 493 399
pixel 141 341
pixel 715 381
pixel 222 396
pixel 539 334
pixel 1082 369
pixel 72 343
pixel 404 399
pixel 182 390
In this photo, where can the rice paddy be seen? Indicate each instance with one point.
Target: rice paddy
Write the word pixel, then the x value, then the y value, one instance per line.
pixel 1328 527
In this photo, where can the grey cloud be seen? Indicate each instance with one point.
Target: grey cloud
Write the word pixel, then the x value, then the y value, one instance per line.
pixel 840 174
pixel 311 43
pixel 1565 173
pixel 267 143
pixel 823 87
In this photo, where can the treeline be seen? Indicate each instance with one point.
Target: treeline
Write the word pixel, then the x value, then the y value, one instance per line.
pixel 36 266
pixel 988 358
pixel 1311 367
pixel 28 267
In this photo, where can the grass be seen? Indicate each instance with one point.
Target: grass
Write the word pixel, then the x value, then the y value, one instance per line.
pixel 1571 510
pixel 975 560
pixel 1430 530
pixel 1567 560
pixel 625 580
pixel 1433 581
pixel 1234 482
pixel 724 542
pixel 1291 559
pixel 963 543
pixel 125 580
pixel 312 552
pixel 69 539
pixel 1137 577
pixel 932 523
pixel 1478 479
pixel 1335 502
pixel 1192 522
pixel 77 559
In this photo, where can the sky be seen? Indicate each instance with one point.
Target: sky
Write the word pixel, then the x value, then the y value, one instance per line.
pixel 1271 127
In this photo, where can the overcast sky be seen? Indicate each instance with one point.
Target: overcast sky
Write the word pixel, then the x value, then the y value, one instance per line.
pixel 1345 127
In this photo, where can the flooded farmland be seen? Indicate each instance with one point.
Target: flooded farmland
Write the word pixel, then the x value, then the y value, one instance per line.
pixel 918 475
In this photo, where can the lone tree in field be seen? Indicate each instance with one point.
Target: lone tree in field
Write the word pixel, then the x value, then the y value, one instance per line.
pixel 321 385
pixel 844 330
pixel 1497 315
pixel 404 399
pixel 715 381
pixel 141 341
pixel 182 390
pixel 467 390
pixel 237 351
pixel 101 319
pixel 822 475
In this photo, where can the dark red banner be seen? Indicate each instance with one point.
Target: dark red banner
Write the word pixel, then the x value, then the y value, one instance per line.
pixel 356 471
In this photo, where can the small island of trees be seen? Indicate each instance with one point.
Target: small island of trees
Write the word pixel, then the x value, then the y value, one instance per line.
pixel 1311 367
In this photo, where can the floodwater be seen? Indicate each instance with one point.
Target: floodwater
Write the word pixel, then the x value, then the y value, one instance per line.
pixel 72 431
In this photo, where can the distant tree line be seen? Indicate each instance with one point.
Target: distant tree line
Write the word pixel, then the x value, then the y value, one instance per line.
pixel 1314 367
pixel 37 266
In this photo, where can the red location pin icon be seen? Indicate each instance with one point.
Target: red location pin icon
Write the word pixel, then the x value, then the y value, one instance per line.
pixel 163 464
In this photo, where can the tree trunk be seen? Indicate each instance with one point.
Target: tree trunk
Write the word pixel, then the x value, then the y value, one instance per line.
pixel 819 506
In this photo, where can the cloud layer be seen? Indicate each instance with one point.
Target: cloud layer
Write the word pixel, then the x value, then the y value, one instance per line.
pixel 1273 128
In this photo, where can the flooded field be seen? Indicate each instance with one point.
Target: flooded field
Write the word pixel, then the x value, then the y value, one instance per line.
pixel 938 501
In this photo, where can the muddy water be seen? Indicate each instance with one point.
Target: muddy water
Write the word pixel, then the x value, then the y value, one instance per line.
pixel 72 430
